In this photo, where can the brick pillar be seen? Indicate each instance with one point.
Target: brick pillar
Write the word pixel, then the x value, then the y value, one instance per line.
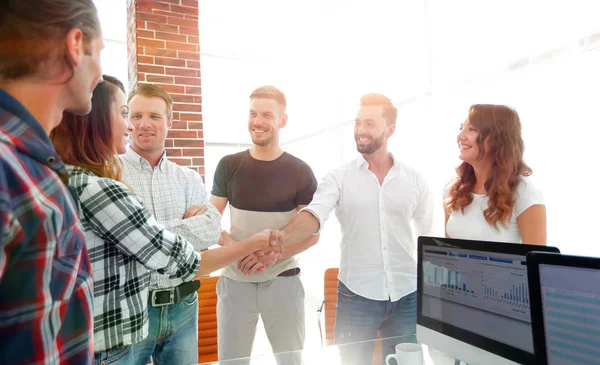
pixel 163 48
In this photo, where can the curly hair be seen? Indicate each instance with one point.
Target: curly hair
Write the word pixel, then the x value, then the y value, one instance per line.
pixel 502 127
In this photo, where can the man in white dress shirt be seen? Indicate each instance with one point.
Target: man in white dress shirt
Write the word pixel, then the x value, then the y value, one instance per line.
pixel 375 198
pixel 178 200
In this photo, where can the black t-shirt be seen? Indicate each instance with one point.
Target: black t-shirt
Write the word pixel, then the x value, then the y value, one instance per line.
pixel 264 186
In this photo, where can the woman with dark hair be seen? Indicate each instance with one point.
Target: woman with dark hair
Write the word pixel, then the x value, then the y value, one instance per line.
pixel 124 241
pixel 492 197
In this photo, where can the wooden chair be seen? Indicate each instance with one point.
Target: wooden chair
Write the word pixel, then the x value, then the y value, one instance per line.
pixel 328 306
pixel 207 320
pixel 328 311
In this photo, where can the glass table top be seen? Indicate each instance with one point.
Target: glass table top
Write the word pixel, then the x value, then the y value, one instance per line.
pixel 329 355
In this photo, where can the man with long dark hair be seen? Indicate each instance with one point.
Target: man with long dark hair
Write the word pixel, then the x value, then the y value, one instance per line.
pixel 49 63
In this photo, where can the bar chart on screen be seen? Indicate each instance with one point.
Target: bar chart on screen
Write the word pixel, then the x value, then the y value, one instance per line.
pixel 572 325
pixel 507 292
pixel 444 277
pixel 487 283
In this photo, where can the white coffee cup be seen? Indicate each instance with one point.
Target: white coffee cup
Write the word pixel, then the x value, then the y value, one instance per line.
pixel 407 354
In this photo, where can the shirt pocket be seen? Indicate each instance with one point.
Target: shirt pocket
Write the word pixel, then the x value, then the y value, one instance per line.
pixel 62 225
pixel 69 264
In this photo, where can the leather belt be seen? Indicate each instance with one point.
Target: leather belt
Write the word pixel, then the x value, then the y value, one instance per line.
pixel 160 297
pixel 290 272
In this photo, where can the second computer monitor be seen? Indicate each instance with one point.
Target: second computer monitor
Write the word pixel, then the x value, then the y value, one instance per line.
pixel 565 307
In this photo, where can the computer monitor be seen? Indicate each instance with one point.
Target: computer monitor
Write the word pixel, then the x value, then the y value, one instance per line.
pixel 565 308
pixel 473 300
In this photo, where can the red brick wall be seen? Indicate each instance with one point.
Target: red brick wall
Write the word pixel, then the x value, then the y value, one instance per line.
pixel 163 48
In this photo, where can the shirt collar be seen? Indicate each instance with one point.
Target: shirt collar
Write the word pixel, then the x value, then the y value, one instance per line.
pixel 21 129
pixel 362 164
pixel 140 162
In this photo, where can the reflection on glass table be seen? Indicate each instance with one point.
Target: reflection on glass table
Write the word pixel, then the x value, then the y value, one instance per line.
pixel 329 355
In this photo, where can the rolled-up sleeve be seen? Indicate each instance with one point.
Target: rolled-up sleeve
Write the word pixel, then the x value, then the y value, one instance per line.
pixel 326 198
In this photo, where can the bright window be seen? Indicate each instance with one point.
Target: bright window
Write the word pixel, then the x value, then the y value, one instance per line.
pixel 434 58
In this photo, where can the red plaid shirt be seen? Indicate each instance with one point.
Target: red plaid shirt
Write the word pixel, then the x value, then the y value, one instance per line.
pixel 45 281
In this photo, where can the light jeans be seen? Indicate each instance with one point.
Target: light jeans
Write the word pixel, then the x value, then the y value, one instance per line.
pixel 172 334
pixel 360 319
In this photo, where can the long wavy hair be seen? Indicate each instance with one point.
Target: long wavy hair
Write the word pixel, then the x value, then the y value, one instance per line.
pixel 501 126
pixel 87 140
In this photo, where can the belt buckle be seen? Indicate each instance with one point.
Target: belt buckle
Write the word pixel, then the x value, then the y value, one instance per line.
pixel 171 297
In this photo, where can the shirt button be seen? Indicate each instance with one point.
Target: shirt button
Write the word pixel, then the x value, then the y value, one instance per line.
pixel 51 160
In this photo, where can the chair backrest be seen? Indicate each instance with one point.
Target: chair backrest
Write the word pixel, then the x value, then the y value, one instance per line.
pixel 330 301
pixel 207 320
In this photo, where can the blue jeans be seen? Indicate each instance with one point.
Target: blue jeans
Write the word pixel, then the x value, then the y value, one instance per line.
pixel 172 334
pixel 360 319
pixel 117 356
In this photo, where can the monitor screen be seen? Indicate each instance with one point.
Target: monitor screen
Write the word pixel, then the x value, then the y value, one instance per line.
pixel 482 292
pixel 477 292
pixel 571 312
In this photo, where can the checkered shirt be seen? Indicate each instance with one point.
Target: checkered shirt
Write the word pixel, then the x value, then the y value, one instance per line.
pixel 45 281
pixel 168 191
pixel 125 244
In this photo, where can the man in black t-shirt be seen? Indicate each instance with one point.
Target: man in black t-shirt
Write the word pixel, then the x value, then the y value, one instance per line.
pixel 265 187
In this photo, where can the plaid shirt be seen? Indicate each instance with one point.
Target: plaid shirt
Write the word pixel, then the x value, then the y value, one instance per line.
pixel 168 191
pixel 45 282
pixel 125 244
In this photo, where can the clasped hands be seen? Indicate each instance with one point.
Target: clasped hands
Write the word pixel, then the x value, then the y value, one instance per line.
pixel 260 260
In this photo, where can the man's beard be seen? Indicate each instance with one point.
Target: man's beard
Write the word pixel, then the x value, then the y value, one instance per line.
pixel 262 142
pixel 370 148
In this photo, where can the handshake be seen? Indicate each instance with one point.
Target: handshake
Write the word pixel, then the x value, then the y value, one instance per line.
pixel 271 250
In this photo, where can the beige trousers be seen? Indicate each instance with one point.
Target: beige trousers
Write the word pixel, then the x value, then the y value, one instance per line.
pixel 280 304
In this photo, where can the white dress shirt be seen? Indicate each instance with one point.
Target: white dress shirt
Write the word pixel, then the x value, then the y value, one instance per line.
pixel 378 249
pixel 168 191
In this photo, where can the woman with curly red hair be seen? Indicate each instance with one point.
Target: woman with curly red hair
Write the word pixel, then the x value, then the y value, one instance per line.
pixel 492 197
